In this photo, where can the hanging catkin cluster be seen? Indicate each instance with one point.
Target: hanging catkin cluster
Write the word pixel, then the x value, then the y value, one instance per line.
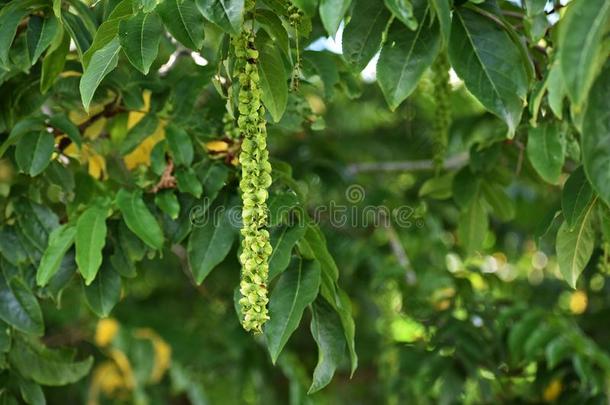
pixel 295 16
pixel 256 178
pixel 442 122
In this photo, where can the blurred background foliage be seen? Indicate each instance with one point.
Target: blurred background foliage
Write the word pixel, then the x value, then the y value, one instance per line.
pixel 435 322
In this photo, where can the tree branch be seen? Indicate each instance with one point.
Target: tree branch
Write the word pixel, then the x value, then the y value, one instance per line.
pixel 451 163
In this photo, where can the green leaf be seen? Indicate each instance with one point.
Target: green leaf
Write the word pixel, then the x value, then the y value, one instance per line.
pixel 362 36
pixel 54 61
pixel 63 123
pixel 5 337
pixel 188 182
pixel 273 77
pixel 167 201
pixel 24 126
pixel 36 222
pixel 11 248
pixel 33 152
pixel 214 179
pixel 140 36
pixel 272 25
pixel 105 291
pixel 438 188
pixel 60 240
pixel 180 145
pixel 326 331
pixel 307 6
pixel 500 202
pixel 317 243
pixel 331 14
pixel 108 29
pixel 89 241
pixel 581 36
pixel 575 246
pixel 19 307
pixel 403 10
pixel 491 65
pixel 556 90
pixel 139 219
pixel 183 21
pixel 145 127
pixel 31 392
pixel 546 151
pixel 102 63
pixel 46 366
pixel 473 225
pixel 210 242
pixel 343 306
pixel 442 9
pixel 40 34
pixel 404 58
pixel 295 290
pixel 282 241
pixel 77 29
pixel 227 14
pixel 596 136
pixel 575 197
pixel 10 17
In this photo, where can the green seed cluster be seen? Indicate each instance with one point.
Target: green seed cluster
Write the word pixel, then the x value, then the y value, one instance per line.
pixel 294 18
pixel 229 128
pixel 442 122
pixel 256 178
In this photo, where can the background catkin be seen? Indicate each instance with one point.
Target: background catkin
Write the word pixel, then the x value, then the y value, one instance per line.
pixel 442 121
pixel 256 178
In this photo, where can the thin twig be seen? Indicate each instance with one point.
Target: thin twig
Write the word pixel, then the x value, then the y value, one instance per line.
pixel 399 252
pixel 167 179
pixel 451 163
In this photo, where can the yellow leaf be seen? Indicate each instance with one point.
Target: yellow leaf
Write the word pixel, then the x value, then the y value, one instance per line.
pixel 105 378
pixel 217 146
pixel 578 302
pixel 163 353
pixel 141 154
pixel 95 129
pixel 552 391
pixel 70 73
pixel 80 116
pixel 105 331
pixel 97 165
pixel 71 150
pixel 123 364
pixel 136 116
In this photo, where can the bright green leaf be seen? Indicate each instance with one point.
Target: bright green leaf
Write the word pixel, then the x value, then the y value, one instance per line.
pixel 102 63
pixel 296 289
pixel 140 36
pixel 362 36
pixel 490 63
pixel 183 21
pixel 404 58
pixel 581 36
pixel 89 241
pixel 575 246
pixel 326 331
pixel 60 240
pixel 596 137
pixel 227 14
pixel 33 152
pixel 139 219
pixel 19 307
pixel 546 151
pixel 105 291
pixel 575 197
